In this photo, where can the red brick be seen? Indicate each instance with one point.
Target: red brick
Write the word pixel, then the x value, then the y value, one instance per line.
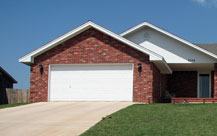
pixel 183 83
pixel 215 82
pixel 93 46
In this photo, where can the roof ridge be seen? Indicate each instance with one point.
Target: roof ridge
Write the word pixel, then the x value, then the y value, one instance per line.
pixel 206 43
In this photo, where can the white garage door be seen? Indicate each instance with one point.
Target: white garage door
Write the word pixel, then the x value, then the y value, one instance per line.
pixel 112 82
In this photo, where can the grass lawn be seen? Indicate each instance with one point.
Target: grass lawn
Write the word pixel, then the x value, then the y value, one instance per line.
pixel 159 120
pixel 11 105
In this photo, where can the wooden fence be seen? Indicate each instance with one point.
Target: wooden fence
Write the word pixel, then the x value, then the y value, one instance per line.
pixel 17 96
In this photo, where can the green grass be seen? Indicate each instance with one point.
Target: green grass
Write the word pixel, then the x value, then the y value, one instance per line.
pixel 159 120
pixel 11 105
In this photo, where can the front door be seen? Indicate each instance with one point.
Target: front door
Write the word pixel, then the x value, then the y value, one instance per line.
pixel 204 85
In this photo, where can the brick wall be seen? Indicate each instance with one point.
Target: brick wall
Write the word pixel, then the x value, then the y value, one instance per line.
pixel 183 83
pixel 164 86
pixel 93 46
pixel 215 82
pixel 212 84
pixel 156 83
pixel 160 86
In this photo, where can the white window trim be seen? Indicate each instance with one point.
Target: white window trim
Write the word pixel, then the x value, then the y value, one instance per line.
pixel 198 82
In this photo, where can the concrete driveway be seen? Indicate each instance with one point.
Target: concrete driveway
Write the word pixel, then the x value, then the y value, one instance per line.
pixel 55 118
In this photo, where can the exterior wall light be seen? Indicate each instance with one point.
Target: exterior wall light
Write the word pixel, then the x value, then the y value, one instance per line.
pixel 140 67
pixel 41 69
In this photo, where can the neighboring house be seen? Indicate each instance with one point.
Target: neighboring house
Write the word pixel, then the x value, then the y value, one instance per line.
pixel 91 63
pixel 6 81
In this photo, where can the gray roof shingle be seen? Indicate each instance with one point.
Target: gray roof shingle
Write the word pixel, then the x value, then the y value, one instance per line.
pixel 211 47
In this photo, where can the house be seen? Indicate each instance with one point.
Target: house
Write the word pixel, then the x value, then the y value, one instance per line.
pixel 6 81
pixel 91 63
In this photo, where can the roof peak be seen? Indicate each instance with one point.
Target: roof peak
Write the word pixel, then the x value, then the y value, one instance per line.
pixel 7 74
pixel 141 25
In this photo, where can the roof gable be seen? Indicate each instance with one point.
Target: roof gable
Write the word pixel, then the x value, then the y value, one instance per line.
pixel 172 50
pixel 146 24
pixel 154 57
pixel 29 58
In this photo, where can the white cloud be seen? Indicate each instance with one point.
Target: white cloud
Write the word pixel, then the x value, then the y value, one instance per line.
pixel 206 2
pixel 200 1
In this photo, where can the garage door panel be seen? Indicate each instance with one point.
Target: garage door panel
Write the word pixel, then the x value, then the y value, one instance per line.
pixel 91 83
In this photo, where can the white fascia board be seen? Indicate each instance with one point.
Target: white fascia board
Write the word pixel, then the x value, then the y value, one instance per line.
pixel 29 58
pixel 163 66
pixel 153 58
pixel 168 69
pixel 168 34
pixel 25 59
pixel 133 29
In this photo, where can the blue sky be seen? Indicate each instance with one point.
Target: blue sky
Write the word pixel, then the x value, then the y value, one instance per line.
pixel 28 24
